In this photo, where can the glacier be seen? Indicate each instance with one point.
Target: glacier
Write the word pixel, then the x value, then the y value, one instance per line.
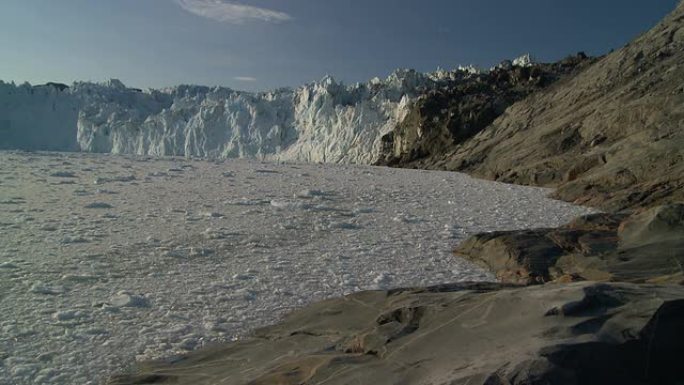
pixel 38 118
pixel 324 121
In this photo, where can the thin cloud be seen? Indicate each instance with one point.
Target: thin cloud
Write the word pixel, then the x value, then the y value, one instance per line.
pixel 231 12
pixel 245 79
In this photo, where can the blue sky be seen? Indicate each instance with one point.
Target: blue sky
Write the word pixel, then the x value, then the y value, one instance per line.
pixel 264 44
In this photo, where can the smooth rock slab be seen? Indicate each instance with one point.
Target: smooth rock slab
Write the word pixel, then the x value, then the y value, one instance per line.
pixel 476 334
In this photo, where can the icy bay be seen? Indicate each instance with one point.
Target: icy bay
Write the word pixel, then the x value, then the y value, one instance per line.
pixel 107 259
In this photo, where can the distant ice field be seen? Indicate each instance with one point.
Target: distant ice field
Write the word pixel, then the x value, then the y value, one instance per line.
pixel 105 260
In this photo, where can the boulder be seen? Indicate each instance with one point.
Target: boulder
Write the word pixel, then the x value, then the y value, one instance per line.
pixel 647 246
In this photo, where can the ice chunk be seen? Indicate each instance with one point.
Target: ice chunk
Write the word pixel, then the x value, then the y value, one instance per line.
pixel 125 299
pixel 523 61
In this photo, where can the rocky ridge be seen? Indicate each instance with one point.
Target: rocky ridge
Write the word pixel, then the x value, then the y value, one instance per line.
pixel 610 136
pixel 442 118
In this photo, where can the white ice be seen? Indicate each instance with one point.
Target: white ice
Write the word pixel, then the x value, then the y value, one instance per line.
pixel 137 258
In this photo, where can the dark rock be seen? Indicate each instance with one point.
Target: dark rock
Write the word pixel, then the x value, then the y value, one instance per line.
pixel 522 257
pixel 660 224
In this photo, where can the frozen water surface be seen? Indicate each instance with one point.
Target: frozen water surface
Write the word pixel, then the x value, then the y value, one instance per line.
pixel 105 259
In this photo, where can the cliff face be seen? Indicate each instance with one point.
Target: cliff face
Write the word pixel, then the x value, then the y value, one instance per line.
pixel 443 118
pixel 38 118
pixel 324 121
pixel 320 122
pixel 612 136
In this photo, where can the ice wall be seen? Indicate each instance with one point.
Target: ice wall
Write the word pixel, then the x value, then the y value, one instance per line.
pixel 38 117
pixel 324 121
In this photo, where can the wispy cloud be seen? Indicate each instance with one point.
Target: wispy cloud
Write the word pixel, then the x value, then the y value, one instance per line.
pixel 231 11
pixel 245 79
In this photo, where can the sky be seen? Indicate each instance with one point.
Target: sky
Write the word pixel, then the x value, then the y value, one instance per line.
pixel 266 44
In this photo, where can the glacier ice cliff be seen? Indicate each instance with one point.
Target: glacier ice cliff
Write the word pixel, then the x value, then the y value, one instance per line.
pixel 38 117
pixel 324 121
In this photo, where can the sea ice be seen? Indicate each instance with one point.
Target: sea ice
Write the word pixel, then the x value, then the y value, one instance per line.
pixel 185 260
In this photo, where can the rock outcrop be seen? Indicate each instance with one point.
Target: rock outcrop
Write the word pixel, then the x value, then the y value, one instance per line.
pixel 645 247
pixel 445 117
pixel 611 136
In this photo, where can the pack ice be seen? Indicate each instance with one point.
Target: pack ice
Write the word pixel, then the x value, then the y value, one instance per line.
pixel 108 259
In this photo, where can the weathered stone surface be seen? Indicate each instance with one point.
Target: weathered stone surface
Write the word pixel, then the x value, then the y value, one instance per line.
pixel 581 333
pixel 647 246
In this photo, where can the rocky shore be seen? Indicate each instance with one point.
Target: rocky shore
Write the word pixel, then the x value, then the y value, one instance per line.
pixel 597 301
